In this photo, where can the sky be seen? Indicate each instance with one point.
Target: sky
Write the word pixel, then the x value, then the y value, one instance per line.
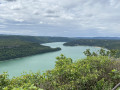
pixel 66 18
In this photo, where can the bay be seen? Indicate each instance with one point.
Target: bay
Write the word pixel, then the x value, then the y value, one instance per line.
pixel 42 62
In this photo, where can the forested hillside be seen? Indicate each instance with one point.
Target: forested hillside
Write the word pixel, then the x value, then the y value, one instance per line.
pixel 36 39
pixel 16 49
pixel 102 38
pixel 109 44
pixel 21 46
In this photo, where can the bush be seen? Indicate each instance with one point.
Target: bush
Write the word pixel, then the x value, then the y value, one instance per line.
pixel 92 73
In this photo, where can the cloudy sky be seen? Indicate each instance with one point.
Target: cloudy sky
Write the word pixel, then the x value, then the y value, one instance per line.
pixel 73 18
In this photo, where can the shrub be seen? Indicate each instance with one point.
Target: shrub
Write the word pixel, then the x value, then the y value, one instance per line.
pixel 91 73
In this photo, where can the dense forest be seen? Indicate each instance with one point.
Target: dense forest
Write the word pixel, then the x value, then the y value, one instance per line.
pixel 102 38
pixel 92 73
pixel 14 46
pixel 20 46
pixel 16 49
pixel 109 44
pixel 36 39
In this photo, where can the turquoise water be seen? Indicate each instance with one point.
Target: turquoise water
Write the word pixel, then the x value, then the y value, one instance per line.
pixel 42 62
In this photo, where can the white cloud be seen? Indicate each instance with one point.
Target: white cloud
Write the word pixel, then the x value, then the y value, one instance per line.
pixel 2 26
pixel 16 7
pixel 100 15
pixel 21 32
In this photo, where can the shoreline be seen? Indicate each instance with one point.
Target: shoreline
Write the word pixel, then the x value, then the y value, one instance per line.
pixel 29 55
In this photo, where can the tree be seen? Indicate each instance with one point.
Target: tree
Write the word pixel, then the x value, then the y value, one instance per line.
pixel 101 52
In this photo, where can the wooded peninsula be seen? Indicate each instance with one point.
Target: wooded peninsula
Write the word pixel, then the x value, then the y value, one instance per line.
pixel 104 43
pixel 20 46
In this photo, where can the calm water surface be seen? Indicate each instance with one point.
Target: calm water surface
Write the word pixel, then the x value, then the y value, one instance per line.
pixel 42 62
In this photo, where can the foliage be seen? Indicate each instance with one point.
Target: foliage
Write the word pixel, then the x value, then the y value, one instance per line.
pixel 96 72
pixel 112 45
pixel 91 73
pixel 34 39
pixel 13 48
pixel 101 52
pixel 4 81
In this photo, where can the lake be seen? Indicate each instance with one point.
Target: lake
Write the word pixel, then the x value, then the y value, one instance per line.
pixel 42 62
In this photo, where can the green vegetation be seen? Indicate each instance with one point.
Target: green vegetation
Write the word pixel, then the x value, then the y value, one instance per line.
pixel 101 52
pixel 98 71
pixel 92 73
pixel 20 46
pixel 13 46
pixel 109 44
pixel 17 49
pixel 35 39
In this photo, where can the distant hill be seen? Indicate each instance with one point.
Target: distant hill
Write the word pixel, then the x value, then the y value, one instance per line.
pixel 13 46
pixel 37 39
pixel 110 44
pixel 105 43
pixel 111 38
pixel 105 38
